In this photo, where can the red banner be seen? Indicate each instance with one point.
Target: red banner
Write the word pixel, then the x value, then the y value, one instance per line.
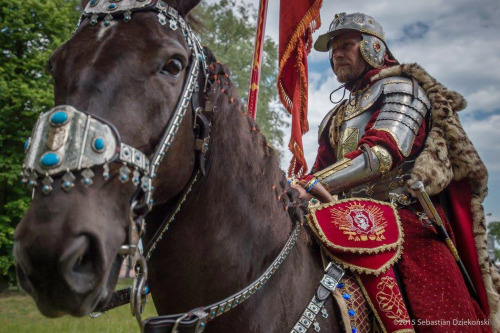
pixel 253 91
pixel 298 20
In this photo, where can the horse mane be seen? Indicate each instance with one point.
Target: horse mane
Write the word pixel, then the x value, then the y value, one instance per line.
pixel 232 123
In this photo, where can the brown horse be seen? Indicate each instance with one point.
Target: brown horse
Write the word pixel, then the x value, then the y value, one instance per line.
pixel 232 225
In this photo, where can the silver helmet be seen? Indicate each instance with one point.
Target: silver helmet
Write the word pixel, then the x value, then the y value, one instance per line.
pixel 373 47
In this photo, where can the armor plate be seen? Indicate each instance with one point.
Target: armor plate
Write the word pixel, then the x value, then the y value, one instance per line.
pixel 351 132
pixel 347 173
pixel 402 110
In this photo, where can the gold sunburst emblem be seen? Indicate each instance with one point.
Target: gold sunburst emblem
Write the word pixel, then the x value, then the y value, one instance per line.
pixel 359 222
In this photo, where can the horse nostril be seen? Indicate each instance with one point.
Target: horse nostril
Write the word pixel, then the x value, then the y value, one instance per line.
pixel 79 265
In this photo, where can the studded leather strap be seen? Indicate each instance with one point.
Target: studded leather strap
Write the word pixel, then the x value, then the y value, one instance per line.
pixel 329 281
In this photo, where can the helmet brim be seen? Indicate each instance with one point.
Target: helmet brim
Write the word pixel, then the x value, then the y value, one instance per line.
pixel 323 41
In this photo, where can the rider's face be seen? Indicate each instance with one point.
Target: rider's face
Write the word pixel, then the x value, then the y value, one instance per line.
pixel 348 64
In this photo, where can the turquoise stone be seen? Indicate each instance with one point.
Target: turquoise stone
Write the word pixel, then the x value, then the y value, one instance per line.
pixel 99 144
pixel 59 118
pixel 112 6
pixel 93 2
pixel 26 144
pixel 67 184
pixel 202 324
pixel 50 160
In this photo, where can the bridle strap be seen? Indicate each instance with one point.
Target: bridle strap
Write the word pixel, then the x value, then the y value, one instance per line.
pixel 197 319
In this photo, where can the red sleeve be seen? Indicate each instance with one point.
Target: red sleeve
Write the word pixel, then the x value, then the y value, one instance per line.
pixel 326 154
pixel 374 137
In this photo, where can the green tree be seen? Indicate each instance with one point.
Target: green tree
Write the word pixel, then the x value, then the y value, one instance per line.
pixel 29 31
pixel 494 229
pixel 229 31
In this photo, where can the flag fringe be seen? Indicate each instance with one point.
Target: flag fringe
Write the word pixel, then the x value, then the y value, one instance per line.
pixel 309 23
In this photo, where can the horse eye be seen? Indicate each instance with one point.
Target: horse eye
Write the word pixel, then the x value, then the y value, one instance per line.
pixel 173 67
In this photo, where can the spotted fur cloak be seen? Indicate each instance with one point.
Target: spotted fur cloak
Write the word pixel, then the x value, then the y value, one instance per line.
pixel 449 156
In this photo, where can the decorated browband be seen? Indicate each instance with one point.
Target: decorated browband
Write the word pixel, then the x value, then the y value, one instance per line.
pixel 66 140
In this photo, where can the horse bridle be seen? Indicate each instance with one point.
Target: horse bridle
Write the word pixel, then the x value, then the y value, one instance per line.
pixel 65 140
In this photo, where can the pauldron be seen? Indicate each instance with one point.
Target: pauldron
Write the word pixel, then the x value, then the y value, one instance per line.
pixel 404 107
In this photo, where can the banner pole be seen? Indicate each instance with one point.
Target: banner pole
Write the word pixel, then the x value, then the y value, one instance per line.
pixel 253 91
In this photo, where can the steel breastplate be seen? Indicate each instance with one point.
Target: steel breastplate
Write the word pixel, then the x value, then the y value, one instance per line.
pixel 351 130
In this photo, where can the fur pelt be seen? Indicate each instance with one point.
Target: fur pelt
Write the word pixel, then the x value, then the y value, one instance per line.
pixel 449 155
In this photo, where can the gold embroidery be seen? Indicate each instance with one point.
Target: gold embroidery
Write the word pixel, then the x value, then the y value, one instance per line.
pixel 390 300
pixel 360 223
pixel 313 223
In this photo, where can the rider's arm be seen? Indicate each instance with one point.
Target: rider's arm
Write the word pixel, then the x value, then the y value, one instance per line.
pixel 396 132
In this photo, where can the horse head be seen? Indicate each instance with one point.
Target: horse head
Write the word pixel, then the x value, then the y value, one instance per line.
pixel 125 87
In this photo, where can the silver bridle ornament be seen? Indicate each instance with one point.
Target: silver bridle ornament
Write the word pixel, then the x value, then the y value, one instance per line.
pixel 66 140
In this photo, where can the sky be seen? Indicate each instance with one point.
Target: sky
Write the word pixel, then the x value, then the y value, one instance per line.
pixel 457 42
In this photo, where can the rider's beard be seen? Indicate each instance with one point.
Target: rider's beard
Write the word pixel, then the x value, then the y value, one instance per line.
pixel 349 73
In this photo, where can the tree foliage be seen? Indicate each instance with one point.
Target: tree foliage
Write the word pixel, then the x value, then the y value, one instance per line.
pixel 29 31
pixel 229 31
pixel 494 230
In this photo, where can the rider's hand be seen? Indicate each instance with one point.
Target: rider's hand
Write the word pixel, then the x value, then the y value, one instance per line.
pixel 320 193
pixel 302 191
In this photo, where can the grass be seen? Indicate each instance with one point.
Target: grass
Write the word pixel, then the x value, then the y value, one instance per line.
pixel 18 313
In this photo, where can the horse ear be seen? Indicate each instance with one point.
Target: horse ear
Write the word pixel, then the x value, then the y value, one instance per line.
pixel 185 6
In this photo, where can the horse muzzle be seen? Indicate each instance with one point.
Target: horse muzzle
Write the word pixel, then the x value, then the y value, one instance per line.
pixel 70 284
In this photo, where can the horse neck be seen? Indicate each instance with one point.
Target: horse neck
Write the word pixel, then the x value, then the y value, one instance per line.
pixel 233 225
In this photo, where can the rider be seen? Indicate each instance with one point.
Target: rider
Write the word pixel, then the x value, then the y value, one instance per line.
pixel 399 126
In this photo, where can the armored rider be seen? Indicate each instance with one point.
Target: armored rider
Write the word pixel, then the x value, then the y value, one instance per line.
pixel 399 126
